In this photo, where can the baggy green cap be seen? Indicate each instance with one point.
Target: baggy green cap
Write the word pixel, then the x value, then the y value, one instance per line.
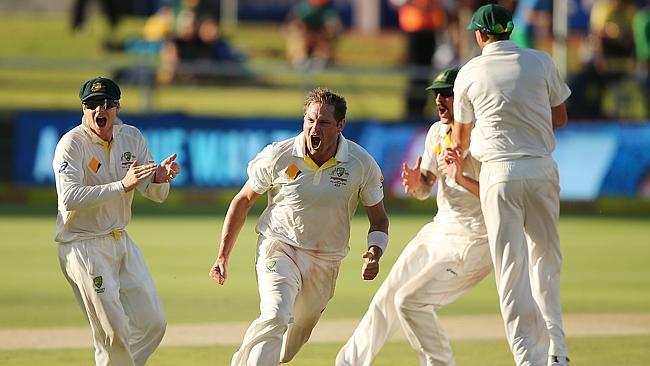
pixel 100 86
pixel 492 19
pixel 445 79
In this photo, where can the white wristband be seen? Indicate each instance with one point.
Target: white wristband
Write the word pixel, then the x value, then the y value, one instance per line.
pixel 378 238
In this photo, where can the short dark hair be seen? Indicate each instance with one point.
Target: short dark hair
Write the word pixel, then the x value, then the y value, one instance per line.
pixel 326 96
pixel 499 37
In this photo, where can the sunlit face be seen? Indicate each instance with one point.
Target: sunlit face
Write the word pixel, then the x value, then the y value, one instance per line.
pixel 321 131
pixel 102 117
pixel 445 104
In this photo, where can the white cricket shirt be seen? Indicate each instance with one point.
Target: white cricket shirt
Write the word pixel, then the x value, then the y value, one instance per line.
pixel 459 210
pixel 508 93
pixel 311 207
pixel 88 171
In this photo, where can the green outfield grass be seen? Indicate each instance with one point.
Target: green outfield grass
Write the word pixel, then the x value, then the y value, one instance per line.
pixel 628 351
pixel 605 270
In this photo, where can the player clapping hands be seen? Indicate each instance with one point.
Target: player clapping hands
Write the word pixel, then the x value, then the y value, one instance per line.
pixel 164 173
pixel 167 170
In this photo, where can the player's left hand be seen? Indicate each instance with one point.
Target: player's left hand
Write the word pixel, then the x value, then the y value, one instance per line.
pixel 455 164
pixel 167 170
pixel 370 267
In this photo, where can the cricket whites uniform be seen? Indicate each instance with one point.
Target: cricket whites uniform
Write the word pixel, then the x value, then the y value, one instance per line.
pixel 100 261
pixel 447 257
pixel 303 235
pixel 509 91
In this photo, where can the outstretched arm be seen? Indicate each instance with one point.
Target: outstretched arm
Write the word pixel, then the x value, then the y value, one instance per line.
pixel 234 221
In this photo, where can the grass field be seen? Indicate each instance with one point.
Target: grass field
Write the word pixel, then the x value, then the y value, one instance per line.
pixel 605 271
pixel 41 67
pixel 628 351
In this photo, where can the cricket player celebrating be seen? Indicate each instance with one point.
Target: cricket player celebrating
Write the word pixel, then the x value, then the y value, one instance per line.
pixel 446 258
pixel 97 166
pixel 514 98
pixel 314 182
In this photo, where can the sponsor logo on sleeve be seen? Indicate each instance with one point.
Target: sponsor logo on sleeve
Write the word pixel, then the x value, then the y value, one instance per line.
pixel 63 167
pixel 293 172
pixel 94 165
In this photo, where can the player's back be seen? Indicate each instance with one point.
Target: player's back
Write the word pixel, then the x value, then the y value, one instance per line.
pixel 509 90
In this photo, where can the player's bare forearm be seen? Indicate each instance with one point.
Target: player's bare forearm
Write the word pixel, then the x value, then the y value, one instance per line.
pixel 377 218
pixel 235 219
pixel 469 184
pixel 378 223
pixel 460 135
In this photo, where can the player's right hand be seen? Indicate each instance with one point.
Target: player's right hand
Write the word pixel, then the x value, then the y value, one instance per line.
pixel 218 272
pixel 411 177
pixel 370 267
pixel 136 174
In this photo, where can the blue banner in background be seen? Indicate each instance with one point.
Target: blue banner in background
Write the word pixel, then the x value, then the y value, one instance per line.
pixel 594 160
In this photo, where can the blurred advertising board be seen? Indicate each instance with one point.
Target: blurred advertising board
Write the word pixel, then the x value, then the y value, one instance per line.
pixel 595 160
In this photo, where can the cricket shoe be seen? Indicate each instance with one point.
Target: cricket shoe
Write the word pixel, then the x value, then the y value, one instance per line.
pixel 558 361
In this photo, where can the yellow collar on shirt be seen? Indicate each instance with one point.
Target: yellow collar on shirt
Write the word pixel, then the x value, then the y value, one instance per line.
pixel 315 166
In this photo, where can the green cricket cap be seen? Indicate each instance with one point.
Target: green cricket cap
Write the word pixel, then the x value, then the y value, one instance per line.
pixel 100 86
pixel 492 19
pixel 445 79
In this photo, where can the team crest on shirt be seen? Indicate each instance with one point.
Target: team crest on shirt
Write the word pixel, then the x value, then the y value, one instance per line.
pixel 339 176
pixel 98 282
pixel 127 158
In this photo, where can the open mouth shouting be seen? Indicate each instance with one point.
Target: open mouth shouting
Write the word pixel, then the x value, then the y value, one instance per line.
pixel 443 110
pixel 315 141
pixel 101 121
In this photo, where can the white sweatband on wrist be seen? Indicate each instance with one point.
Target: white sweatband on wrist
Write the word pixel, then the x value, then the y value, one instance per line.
pixel 378 238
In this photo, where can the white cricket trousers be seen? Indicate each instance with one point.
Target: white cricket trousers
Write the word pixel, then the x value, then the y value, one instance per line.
pixel 116 292
pixel 294 286
pixel 520 200
pixel 434 269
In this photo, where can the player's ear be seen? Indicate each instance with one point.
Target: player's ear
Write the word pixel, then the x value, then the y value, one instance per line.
pixel 340 124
